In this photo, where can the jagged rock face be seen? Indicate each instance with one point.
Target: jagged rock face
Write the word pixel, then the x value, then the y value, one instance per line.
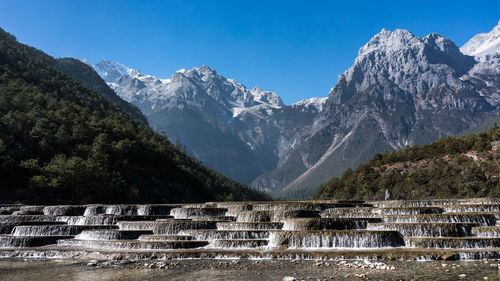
pixel 483 44
pixel 485 47
pixel 239 132
pixel 401 90
pixel 413 64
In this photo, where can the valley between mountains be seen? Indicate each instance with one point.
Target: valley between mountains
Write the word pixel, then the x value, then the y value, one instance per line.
pixel 401 90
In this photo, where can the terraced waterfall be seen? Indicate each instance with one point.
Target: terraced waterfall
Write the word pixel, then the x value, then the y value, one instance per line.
pixel 427 229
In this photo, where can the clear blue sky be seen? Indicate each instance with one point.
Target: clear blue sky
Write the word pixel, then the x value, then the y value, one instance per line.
pixel 296 48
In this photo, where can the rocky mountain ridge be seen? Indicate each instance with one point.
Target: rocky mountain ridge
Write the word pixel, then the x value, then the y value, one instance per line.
pixel 238 131
pixel 401 90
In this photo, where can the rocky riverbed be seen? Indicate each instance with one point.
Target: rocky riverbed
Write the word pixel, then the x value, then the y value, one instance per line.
pixel 32 269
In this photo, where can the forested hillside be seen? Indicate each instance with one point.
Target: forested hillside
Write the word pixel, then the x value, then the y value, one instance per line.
pixel 61 142
pixel 450 167
pixel 86 75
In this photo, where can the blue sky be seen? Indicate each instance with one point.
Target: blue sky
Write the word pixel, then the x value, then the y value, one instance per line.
pixel 296 48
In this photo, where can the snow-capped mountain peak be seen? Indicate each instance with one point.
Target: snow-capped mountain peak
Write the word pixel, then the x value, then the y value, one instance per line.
pixel 110 71
pixel 194 86
pixel 409 62
pixel 483 44
pixel 315 102
pixel 267 97
pixel 485 47
pixel 388 41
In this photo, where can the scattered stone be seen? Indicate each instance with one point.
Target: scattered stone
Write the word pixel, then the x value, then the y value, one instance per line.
pixel 92 263
pixel 289 278
pixel 126 261
pixel 367 265
pixel 388 194
pixel 462 275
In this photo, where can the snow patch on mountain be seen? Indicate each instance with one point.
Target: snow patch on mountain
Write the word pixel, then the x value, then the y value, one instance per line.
pixel 314 102
pixel 483 44
pixel 110 71
pixel 192 87
pixel 398 57
pixel 485 47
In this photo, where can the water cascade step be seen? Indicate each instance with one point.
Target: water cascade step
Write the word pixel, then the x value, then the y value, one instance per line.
pixel 111 234
pixel 336 239
pixel 249 225
pixel 167 226
pixel 9 241
pixel 327 223
pixel 55 229
pixel 453 242
pixel 165 237
pixel 7 227
pixel 132 244
pixel 238 243
pixel 486 231
pixel 204 234
pixel 413 229
pixel 482 219
pixel 425 229
pixel 273 216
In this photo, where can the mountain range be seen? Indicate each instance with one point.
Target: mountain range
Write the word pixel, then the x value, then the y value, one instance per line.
pixel 401 90
pixel 237 131
pixel 67 138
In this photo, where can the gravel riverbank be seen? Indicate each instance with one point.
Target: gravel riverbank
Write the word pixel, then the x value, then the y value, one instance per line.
pixel 18 269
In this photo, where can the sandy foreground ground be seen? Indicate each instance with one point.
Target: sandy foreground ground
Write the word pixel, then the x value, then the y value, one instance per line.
pixel 19 269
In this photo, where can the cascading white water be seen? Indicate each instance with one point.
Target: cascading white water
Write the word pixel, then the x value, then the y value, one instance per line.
pixel 335 239
pixel 185 213
pixel 408 210
pixel 303 206
pixel 136 225
pixel 426 229
pixel 213 218
pixel 452 242
pixel 172 226
pixel 468 208
pixel 324 223
pixel 249 225
pixel 111 234
pixel 480 219
pixel 64 210
pixel 54 230
pixel 203 234
pixel 486 231
pixel 9 209
pixel 94 210
pixel 88 220
pixel 274 215
pixel 234 209
pixel 237 243
pixel 461 228
pixel 131 244
pixel 164 237
pixel 26 218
